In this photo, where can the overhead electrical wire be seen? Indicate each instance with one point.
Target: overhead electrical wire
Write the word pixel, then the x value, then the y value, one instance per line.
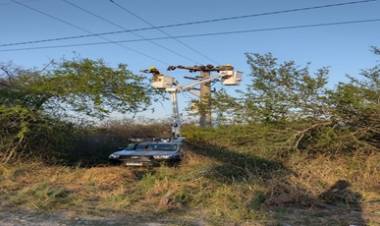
pixel 122 27
pixel 186 23
pixel 207 34
pixel 10 3
pixel 88 31
pixel 163 31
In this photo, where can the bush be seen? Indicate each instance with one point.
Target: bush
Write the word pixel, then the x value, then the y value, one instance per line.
pixel 27 134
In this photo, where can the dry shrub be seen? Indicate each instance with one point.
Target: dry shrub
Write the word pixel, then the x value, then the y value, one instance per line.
pixel 92 145
pixel 282 192
pixel 130 129
pixel 320 180
pixel 360 169
pixel 27 134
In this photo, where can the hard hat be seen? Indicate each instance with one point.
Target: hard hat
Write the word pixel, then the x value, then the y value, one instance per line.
pixel 154 70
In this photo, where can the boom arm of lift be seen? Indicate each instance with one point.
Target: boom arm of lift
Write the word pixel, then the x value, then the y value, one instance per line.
pixel 176 123
pixel 170 85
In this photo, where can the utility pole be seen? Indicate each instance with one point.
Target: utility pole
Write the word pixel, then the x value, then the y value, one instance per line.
pixel 204 104
pixel 205 101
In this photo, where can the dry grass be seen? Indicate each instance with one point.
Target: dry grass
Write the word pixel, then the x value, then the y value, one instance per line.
pixel 196 189
pixel 248 179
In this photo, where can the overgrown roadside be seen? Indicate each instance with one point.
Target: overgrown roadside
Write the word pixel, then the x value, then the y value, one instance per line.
pixel 288 150
pixel 204 190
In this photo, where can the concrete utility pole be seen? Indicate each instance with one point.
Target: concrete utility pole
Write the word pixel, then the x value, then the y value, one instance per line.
pixel 205 101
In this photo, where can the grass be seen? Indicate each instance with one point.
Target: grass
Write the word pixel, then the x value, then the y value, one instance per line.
pixel 220 181
pixel 42 196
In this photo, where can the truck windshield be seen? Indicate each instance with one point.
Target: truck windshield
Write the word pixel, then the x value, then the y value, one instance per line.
pixel 131 147
pixel 144 147
pixel 165 147
pixel 156 147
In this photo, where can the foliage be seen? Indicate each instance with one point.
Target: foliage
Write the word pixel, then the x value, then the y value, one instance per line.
pixel 362 92
pixel 84 86
pixel 266 159
pixel 356 104
pixel 226 108
pixel 284 104
pixel 14 127
pixel 278 141
pixel 276 92
pixel 282 91
pixel 26 133
pixel 342 120
pixel 33 105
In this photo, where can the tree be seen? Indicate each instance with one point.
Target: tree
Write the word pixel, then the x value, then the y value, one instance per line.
pixel 357 103
pixel 282 91
pixel 85 86
pixel 32 103
pixel 226 108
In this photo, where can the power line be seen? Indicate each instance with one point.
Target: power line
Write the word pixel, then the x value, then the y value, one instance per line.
pixel 9 2
pixel 122 27
pixel 186 23
pixel 207 34
pixel 163 31
pixel 87 31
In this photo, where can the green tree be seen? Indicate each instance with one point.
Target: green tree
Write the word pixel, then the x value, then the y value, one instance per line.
pixel 85 86
pixel 282 91
pixel 226 108
pixel 32 103
pixel 357 103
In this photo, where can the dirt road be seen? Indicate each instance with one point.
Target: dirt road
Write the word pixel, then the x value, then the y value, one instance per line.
pixel 20 218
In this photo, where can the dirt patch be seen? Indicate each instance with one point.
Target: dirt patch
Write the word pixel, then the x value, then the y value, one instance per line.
pixel 23 217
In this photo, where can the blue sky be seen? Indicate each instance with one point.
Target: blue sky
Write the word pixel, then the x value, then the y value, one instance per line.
pixel 344 48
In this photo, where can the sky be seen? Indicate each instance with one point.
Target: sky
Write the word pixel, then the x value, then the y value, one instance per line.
pixel 345 49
